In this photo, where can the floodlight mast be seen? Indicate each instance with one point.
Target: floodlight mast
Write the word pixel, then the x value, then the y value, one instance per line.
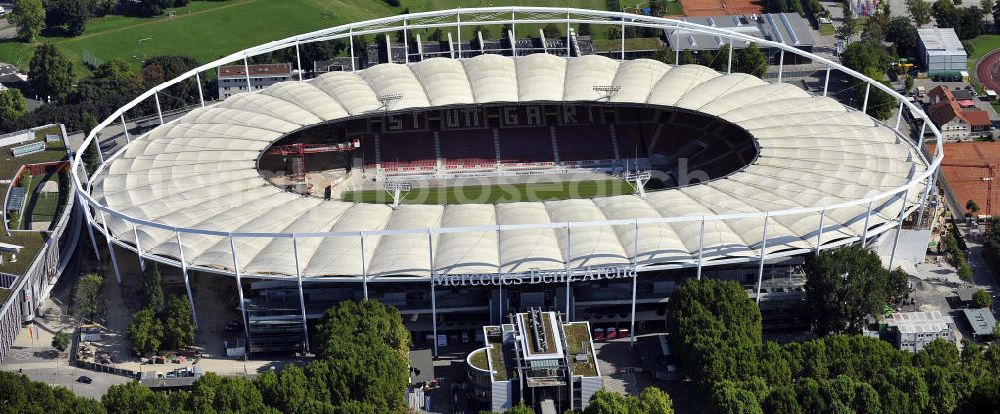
pixel 608 91
pixel 638 179
pixel 397 190
pixel 388 99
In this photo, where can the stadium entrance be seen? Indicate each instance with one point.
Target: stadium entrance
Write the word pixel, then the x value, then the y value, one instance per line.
pixel 507 153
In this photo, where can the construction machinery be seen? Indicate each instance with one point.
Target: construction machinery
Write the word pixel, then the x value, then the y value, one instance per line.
pixel 300 151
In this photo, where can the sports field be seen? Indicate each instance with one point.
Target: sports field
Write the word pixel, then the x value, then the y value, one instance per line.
pixel 206 30
pixel 505 193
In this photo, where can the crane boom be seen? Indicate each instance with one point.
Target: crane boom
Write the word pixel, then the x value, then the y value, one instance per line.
pixel 300 150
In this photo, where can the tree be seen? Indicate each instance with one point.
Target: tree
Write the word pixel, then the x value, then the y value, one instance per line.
pixel 69 15
pixel 713 326
pixel 88 298
pixel 653 400
pixel 847 27
pixel 214 393
pixel 12 104
pixel 134 398
pixel 370 372
pixel 843 287
pixel 60 341
pixel 607 402
pixel 751 60
pixel 145 331
pixel 519 409
pixel 920 11
pixel 687 57
pixel 286 389
pixel 665 55
pixel 869 58
pixel 551 31
pixel 781 400
pixel 908 84
pixel 88 122
pixel 728 397
pixel 152 290
pixel 903 36
pixel 485 31
pixel 178 324
pixel 967 21
pixel 987 6
pixel 365 322
pixel 436 35
pixel 18 394
pixel 29 17
pixel 981 299
pixel 972 207
pixel 995 11
pixel 583 30
pixel 50 72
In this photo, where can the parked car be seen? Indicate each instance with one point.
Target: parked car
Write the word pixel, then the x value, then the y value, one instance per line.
pixel 612 333
pixel 2 11
pixel 84 379
pixel 598 334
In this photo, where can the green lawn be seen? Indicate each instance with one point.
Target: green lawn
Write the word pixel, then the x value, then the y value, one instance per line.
pixel 827 29
pixel 633 43
pixel 53 152
pixel 496 355
pixel 32 243
pixel 497 193
pixel 674 8
pixel 207 30
pixel 577 342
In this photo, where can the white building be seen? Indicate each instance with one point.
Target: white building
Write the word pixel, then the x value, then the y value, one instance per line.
pixel 942 51
pixel 912 331
pixel 233 79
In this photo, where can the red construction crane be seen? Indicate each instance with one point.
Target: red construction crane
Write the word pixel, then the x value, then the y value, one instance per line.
pixel 300 151
pixel 991 170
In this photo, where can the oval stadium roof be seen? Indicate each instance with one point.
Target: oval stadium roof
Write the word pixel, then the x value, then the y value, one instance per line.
pixel 200 172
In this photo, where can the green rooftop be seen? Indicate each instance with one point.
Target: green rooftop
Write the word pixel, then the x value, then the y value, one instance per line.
pixel 578 342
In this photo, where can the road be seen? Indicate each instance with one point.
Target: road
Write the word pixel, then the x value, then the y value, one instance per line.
pixel 31 353
pixel 7 31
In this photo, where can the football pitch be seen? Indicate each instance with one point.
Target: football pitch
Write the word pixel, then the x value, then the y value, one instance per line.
pixel 498 193
pixel 206 30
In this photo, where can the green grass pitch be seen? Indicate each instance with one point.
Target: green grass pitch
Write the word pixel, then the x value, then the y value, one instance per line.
pixel 506 193
pixel 206 30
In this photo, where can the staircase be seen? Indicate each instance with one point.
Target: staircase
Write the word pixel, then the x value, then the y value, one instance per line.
pixel 555 145
pixel 496 146
pixel 614 141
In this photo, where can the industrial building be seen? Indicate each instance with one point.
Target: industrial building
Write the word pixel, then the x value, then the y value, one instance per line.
pixel 234 79
pixel 942 51
pixel 786 28
pixel 912 331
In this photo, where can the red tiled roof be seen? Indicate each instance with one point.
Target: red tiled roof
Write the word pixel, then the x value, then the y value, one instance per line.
pixel 273 69
pixel 976 118
pixel 947 109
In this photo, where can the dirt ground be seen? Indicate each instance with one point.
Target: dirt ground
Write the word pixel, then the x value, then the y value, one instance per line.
pixel 721 7
pixel 964 167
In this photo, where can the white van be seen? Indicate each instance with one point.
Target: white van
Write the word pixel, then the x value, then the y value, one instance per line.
pixel 2 11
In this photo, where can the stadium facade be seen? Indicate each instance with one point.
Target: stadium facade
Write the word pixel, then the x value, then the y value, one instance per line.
pixel 188 193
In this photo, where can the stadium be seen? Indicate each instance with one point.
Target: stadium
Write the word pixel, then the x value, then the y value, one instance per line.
pixel 462 188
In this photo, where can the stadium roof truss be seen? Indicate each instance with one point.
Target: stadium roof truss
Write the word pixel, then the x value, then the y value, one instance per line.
pixel 827 175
